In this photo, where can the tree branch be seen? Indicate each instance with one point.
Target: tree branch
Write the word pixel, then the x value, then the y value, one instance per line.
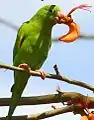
pixel 15 27
pixel 84 36
pixel 72 108
pixel 52 76
pixel 52 98
pixel 9 24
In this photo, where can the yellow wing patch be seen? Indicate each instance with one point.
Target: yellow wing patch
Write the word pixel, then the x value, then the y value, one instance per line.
pixel 20 41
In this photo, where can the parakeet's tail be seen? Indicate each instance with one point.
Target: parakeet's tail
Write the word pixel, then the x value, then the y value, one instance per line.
pixel 21 80
pixel 13 105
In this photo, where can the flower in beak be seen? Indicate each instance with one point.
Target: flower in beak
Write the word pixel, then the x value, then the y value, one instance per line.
pixel 74 30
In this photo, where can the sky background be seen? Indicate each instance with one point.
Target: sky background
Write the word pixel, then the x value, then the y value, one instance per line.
pixel 75 60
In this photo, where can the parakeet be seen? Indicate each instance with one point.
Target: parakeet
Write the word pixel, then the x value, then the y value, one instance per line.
pixel 31 48
pixel 33 43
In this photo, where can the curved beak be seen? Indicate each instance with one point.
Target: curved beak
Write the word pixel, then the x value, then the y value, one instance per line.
pixel 61 18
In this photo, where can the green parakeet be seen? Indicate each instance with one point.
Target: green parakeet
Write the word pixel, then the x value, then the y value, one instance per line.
pixel 31 48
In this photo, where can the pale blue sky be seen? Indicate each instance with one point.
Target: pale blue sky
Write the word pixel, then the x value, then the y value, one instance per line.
pixel 75 60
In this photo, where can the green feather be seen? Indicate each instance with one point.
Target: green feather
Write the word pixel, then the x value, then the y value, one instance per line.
pixel 31 47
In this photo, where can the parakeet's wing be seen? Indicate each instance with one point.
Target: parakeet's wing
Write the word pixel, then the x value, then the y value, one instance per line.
pixel 19 39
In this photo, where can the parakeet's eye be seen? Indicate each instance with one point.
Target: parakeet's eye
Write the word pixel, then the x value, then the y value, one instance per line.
pixel 50 10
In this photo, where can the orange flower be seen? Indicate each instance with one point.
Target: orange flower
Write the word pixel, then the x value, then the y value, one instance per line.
pixel 74 30
pixel 88 117
pixel 73 34
pixel 84 117
pixel 91 116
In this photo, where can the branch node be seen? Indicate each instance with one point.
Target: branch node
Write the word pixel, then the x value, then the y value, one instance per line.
pixel 56 70
pixel 58 90
pixel 53 106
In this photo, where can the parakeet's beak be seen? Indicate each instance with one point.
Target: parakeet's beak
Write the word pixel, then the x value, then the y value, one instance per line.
pixel 61 18
pixel 74 30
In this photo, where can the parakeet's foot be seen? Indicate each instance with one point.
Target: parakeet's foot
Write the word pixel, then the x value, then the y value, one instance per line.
pixel 25 67
pixel 43 74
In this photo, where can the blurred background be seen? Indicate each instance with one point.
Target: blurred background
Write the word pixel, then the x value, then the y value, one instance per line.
pixel 75 60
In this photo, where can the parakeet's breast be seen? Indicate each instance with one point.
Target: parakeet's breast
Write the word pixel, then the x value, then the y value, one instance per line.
pixel 33 52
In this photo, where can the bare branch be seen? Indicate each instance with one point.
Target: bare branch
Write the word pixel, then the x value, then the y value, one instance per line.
pixel 47 114
pixel 52 76
pixel 84 36
pixel 9 24
pixel 52 98
pixel 15 27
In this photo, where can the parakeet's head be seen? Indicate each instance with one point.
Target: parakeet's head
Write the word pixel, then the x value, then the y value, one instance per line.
pixel 50 14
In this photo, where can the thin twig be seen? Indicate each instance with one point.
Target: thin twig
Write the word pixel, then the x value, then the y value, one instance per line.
pixel 56 70
pixel 52 76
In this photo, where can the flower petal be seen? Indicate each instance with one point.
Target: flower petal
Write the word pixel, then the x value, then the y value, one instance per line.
pixel 73 34
pixel 83 6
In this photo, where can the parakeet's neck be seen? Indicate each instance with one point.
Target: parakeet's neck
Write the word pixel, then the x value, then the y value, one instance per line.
pixel 42 24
